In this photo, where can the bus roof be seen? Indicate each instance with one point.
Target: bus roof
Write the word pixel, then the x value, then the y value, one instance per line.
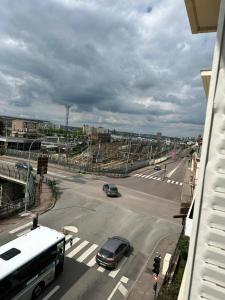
pixel 29 245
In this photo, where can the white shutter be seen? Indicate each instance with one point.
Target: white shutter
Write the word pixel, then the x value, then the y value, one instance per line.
pixel 206 258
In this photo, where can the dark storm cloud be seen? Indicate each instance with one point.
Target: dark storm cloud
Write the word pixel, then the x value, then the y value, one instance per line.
pixel 106 58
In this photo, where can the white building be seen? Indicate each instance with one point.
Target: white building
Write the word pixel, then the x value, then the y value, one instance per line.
pixel 204 276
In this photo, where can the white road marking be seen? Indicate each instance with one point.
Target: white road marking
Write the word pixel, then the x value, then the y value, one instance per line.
pixel 136 174
pixel 124 279
pixel 68 236
pixel 172 181
pixel 20 227
pixel 51 293
pixel 177 182
pixel 92 262
pixel 101 269
pixel 171 172
pixel 115 272
pixel 147 176
pixel 117 287
pixel 154 177
pixel 57 174
pixel 158 178
pixel 143 176
pixel 123 290
pixel 87 253
pixel 139 175
pixel 74 242
pixel 77 249
pixel 23 232
pixel 181 183
pixel 150 177
pixel 168 180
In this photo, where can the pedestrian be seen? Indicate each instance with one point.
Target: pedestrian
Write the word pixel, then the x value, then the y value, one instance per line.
pixel 71 242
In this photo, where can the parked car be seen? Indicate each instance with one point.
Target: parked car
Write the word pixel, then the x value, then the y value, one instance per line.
pixel 110 190
pixel 114 249
pixel 23 166
pixel 157 168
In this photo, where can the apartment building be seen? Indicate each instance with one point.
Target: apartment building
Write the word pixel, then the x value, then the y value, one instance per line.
pixel 204 276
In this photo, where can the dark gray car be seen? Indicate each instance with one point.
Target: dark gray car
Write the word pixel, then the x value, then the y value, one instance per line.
pixel 110 189
pixel 112 252
pixel 23 166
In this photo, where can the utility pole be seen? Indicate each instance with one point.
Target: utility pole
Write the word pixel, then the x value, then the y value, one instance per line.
pixel 67 122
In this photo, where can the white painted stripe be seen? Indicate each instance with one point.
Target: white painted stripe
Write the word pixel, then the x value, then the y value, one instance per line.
pixel 171 173
pixel 147 176
pixel 116 287
pixel 123 290
pixel 74 242
pixel 124 279
pixel 150 177
pixel 136 174
pixel 181 183
pixel 68 236
pixel 168 180
pixel 51 293
pixel 92 262
pixel 77 249
pixel 143 176
pixel 101 269
pixel 159 178
pixel 20 227
pixel 177 182
pixel 114 290
pixel 154 177
pixel 139 175
pixel 172 181
pixel 115 272
pixel 87 253
pixel 23 232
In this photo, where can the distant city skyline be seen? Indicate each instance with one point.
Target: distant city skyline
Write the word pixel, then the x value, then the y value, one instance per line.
pixel 128 65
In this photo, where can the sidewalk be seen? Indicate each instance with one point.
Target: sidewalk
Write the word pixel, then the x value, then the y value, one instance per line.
pixel 143 286
pixel 46 202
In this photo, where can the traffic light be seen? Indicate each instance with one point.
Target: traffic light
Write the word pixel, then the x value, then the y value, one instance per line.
pixel 156 265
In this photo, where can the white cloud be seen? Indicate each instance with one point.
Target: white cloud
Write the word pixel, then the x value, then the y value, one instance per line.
pixel 130 63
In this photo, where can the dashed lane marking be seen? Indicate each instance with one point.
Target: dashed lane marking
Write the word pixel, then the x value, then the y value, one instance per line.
pixel 172 181
pixel 101 269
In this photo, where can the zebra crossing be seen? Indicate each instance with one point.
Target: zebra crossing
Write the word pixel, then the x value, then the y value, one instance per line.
pixel 82 251
pixel 147 176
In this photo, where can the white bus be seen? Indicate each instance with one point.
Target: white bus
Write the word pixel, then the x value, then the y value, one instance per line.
pixel 30 262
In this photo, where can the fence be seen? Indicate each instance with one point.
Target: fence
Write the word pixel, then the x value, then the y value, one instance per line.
pixel 12 207
pixel 121 170
pixel 12 172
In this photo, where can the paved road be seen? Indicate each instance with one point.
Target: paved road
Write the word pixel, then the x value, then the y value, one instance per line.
pixel 143 214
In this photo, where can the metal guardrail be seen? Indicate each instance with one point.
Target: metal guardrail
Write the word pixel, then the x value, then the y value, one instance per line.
pixel 12 207
pixel 12 172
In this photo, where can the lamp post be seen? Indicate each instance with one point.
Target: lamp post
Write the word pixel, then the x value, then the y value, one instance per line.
pixel 28 171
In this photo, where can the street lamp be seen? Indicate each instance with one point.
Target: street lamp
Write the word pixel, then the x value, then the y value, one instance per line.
pixel 28 171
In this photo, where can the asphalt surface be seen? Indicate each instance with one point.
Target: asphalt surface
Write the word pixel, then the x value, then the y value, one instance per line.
pixel 143 214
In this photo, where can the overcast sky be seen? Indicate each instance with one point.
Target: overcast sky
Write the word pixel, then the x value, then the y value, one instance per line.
pixel 132 65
